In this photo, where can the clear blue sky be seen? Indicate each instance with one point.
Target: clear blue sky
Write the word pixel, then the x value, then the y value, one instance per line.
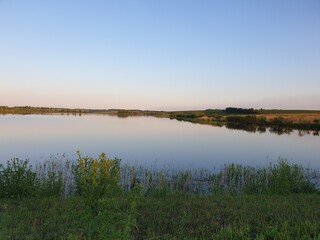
pixel 166 54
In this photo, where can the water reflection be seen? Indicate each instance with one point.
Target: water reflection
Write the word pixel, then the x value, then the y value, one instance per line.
pixel 278 130
pixel 153 141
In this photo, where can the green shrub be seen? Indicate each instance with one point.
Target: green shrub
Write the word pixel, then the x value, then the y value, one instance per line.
pixel 95 178
pixel 17 179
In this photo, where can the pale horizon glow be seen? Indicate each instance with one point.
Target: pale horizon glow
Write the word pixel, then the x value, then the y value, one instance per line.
pixel 160 55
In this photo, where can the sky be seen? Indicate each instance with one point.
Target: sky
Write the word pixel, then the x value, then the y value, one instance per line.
pixel 160 55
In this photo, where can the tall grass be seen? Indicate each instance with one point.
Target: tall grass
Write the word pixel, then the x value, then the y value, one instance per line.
pixel 51 177
pixel 98 177
pixel 97 198
pixel 279 178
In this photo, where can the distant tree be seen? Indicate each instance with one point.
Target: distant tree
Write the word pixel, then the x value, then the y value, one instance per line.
pixel 209 112
pixel 232 110
pixel 123 113
pixel 247 120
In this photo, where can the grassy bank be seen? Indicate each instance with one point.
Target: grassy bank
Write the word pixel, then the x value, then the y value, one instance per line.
pixel 174 216
pixel 98 198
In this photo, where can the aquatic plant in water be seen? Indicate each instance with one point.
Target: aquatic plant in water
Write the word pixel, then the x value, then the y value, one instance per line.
pixel 94 178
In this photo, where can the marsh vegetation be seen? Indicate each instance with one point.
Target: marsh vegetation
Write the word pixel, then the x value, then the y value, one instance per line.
pixel 98 198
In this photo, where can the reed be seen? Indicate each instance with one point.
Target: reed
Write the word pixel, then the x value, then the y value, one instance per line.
pixel 279 178
pixel 102 176
pixel 97 198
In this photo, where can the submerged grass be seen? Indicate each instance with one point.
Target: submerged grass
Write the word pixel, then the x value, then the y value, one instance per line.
pixel 100 199
pixel 98 177
pixel 279 178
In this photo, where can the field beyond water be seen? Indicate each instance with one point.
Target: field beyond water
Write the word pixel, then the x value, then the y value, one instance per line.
pixel 101 199
pixel 249 119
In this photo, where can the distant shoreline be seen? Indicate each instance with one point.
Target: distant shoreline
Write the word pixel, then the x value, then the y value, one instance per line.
pixel 235 118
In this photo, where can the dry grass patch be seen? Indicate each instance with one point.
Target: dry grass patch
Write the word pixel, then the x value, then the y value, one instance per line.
pixel 294 118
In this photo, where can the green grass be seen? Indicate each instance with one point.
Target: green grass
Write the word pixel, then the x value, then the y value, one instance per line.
pixel 43 218
pixel 100 199
pixel 174 216
pixel 228 217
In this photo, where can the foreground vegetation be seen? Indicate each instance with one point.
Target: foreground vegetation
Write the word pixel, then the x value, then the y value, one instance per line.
pixel 174 216
pixel 100 199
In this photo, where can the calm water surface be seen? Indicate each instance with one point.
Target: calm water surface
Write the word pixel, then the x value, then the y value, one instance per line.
pixel 149 141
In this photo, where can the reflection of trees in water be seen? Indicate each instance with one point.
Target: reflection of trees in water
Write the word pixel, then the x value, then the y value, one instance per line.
pixel 248 127
pixel 274 129
pixel 301 133
pixel 280 130
pixel 261 129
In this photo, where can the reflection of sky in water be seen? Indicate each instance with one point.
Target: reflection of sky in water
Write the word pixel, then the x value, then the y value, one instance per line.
pixel 150 141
